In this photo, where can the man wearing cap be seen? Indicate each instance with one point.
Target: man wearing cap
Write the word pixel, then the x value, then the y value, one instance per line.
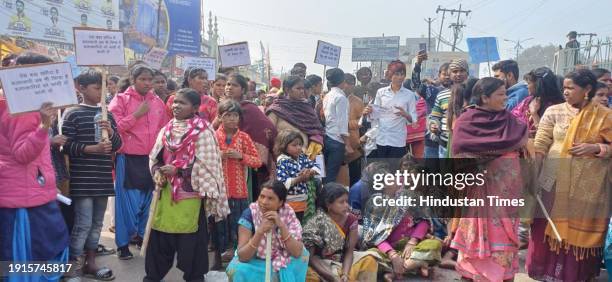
pixel 458 69
pixel 572 43
pixel 336 112
pixel 275 82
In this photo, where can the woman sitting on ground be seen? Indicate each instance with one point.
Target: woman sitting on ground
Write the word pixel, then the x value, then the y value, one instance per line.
pixel 331 236
pixel 269 215
pixel 399 235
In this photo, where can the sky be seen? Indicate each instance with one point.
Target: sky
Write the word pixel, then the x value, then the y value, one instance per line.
pixel 291 28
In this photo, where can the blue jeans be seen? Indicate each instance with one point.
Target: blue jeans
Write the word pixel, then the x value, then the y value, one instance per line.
pixel 88 220
pixel 333 153
pixel 227 229
pixel 431 152
pixel 442 151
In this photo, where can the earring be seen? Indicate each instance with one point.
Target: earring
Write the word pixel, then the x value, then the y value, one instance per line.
pixel 586 97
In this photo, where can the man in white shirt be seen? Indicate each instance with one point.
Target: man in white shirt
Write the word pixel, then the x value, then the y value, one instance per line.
pixel 336 111
pixel 393 109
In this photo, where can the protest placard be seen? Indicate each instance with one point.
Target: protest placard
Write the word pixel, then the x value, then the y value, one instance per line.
pixel 26 88
pixel 483 49
pixel 327 54
pixel 155 57
pixel 98 47
pixel 208 64
pixel 236 54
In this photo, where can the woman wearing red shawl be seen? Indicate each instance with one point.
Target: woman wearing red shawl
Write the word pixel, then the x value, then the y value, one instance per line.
pixel 186 166
pixel 487 238
pixel 197 79
pixel 257 126
pixel 294 113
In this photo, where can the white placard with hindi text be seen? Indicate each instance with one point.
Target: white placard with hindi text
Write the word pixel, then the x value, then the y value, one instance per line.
pixel 98 47
pixel 208 64
pixel 379 112
pixel 236 54
pixel 27 88
pixel 320 161
pixel 327 54
pixel 155 57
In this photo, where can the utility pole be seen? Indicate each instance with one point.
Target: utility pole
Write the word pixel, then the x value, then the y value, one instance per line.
pixel 590 35
pixel 441 25
pixel 457 26
pixel 429 21
pixel 456 30
pixel 518 45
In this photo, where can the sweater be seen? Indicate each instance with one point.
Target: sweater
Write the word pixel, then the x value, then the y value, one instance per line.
pixel 90 174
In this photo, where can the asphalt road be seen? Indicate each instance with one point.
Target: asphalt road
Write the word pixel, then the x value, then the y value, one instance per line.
pixel 133 270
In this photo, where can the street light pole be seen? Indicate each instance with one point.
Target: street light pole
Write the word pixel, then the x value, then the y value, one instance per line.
pixel 518 45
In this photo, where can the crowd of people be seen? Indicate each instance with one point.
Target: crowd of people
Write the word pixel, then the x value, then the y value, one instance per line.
pixel 216 165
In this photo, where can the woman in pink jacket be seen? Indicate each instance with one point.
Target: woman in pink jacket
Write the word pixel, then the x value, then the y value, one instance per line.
pixel 31 225
pixel 140 114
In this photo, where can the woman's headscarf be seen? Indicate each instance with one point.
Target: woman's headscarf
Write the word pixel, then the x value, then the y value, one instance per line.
pixel 479 132
pixel 299 114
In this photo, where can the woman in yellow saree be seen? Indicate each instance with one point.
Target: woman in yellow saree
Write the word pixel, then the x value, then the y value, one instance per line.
pixel 575 139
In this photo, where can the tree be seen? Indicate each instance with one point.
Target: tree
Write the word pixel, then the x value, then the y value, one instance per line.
pixel 535 57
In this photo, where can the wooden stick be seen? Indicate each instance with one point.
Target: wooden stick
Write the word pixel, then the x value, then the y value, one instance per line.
pixel 152 208
pixel 268 256
pixel 103 104
pixel 552 224
pixel 60 122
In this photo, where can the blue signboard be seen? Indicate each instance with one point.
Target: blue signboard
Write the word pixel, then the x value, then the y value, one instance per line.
pixel 177 29
pixel 483 49
pixel 184 27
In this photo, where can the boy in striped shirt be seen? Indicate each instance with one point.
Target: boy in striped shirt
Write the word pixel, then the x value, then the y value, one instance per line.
pixel 91 166
pixel 458 70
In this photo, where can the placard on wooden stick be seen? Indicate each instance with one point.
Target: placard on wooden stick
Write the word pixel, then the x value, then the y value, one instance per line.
pixel 26 88
pixel 206 63
pixel 155 57
pixel 98 47
pixel 234 55
pixel 327 54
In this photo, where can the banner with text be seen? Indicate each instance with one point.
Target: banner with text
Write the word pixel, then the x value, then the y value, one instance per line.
pixel 53 20
pixel 155 57
pixel 27 88
pixel 236 54
pixel 98 47
pixel 327 54
pixel 208 64
pixel 368 49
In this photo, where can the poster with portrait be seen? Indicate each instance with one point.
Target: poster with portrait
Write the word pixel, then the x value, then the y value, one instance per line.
pixel 53 20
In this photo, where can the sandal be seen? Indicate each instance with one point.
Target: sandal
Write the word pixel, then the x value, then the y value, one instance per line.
pixel 227 256
pixel 103 251
pixel 103 274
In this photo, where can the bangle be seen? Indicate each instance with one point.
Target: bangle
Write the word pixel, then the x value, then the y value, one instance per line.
pixel 286 238
pixel 393 254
